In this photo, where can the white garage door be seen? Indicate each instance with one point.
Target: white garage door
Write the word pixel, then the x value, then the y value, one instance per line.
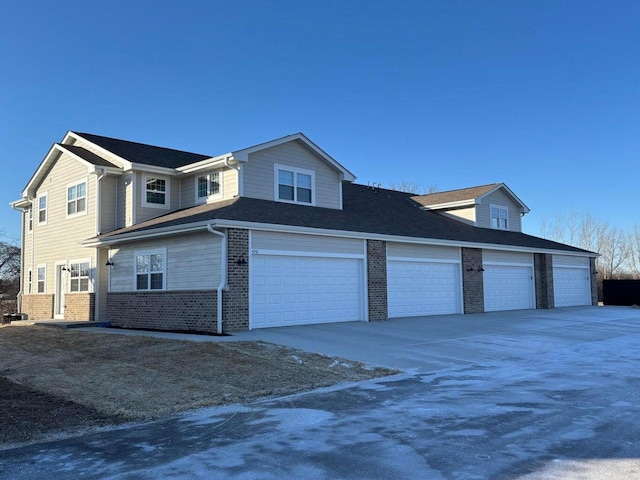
pixel 292 290
pixel 508 287
pixel 571 281
pixel 423 288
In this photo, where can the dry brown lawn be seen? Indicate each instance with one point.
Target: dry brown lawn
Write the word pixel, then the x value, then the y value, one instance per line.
pixel 115 378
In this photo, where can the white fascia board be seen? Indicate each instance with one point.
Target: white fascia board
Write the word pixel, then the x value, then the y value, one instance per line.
pixel 20 205
pixel 185 228
pixel 243 154
pixel 524 208
pixel 142 167
pixel 206 164
pixel 450 205
pixel 90 166
pixel 126 164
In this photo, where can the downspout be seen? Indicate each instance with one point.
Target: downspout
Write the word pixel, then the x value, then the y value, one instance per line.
pixel 223 275
pixel 96 280
pixel 237 169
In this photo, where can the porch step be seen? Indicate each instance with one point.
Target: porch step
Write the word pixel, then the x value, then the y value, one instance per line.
pixel 75 324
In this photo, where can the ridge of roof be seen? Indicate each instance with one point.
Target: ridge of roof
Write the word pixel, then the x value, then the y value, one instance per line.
pixel 143 153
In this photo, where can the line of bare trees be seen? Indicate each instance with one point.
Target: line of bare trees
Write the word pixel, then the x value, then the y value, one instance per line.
pixel 619 249
pixel 9 276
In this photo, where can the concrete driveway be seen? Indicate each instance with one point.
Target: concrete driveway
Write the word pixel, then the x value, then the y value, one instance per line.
pixel 528 395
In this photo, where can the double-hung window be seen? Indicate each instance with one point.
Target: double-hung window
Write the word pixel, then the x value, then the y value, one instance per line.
pixel 42 277
pixel 155 192
pixel 294 185
pixel 208 186
pixel 79 277
pixel 77 199
pixel 150 269
pixel 42 209
pixel 499 217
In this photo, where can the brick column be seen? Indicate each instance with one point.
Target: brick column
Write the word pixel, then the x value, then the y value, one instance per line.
pixel 543 274
pixel 594 282
pixel 235 297
pixel 472 280
pixel 377 279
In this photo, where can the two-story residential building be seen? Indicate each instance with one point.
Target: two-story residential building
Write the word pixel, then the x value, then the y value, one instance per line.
pixel 271 235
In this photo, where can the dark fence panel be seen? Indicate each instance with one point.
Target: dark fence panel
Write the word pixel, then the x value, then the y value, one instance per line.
pixel 621 292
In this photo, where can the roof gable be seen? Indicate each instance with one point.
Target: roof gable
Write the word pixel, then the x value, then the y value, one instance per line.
pixel 465 197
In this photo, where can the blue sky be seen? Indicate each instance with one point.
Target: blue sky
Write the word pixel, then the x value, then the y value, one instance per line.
pixel 541 95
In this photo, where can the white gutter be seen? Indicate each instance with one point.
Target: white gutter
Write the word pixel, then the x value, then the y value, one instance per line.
pixel 223 276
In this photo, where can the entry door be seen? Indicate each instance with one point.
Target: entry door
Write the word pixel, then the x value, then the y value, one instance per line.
pixel 58 304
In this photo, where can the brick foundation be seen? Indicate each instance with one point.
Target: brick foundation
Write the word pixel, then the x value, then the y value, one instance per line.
pixel 543 274
pixel 79 306
pixel 377 279
pixel 235 297
pixel 37 307
pixel 472 280
pixel 187 310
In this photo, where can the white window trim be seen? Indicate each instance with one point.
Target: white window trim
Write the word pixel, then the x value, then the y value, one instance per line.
pixel 81 260
pixel 46 210
pixel 86 198
pixel 153 251
pixel 38 267
pixel 208 198
pixel 167 193
pixel 30 281
pixel 30 219
pixel 501 207
pixel 276 183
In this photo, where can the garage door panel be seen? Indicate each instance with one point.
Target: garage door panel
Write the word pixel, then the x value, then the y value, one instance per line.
pixel 305 290
pixel 508 287
pixel 418 288
pixel 571 286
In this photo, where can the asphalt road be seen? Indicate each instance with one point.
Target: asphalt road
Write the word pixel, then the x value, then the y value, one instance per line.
pixel 529 395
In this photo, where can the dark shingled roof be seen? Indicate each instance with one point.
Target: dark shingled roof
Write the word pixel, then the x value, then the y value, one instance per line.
pixel 88 156
pixel 366 210
pixel 145 154
pixel 454 195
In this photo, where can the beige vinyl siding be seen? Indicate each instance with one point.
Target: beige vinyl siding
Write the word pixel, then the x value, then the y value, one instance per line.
pixel 109 201
pixel 59 240
pixel 499 198
pixel 294 242
pixel 407 250
pixel 124 210
pixel 27 242
pixel 258 173
pixel 102 276
pixel 570 261
pixel 467 214
pixel 188 186
pixel 499 256
pixel 193 262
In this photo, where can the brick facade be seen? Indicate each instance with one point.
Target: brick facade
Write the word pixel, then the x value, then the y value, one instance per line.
pixel 472 280
pixel 235 296
pixel 377 279
pixel 37 307
pixel 594 282
pixel 543 274
pixel 79 306
pixel 187 310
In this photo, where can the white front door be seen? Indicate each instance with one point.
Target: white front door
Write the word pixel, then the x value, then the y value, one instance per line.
pixel 58 302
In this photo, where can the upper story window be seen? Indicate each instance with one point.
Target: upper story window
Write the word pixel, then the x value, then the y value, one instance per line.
pixel 42 277
pixel 150 269
pixel 77 199
pixel 155 192
pixel 208 186
pixel 79 273
pixel 294 185
pixel 30 219
pixel 42 209
pixel 499 217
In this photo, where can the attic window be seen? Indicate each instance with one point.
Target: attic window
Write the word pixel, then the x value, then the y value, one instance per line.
pixel 155 192
pixel 499 217
pixel 294 185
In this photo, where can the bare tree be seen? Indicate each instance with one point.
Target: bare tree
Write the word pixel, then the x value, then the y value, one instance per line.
pixel 9 267
pixel 409 186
